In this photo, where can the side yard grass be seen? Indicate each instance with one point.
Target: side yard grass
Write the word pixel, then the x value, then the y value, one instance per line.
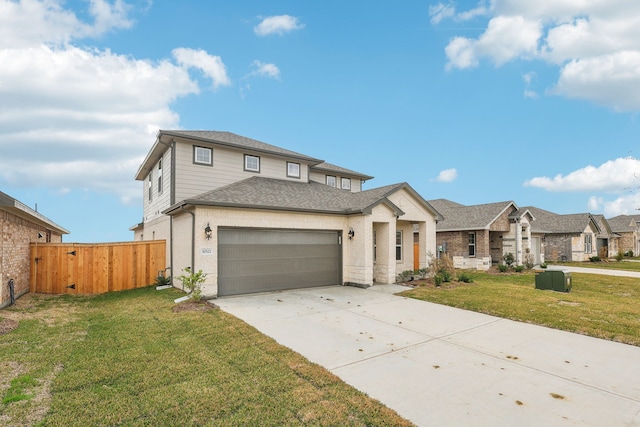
pixel 599 306
pixel 127 358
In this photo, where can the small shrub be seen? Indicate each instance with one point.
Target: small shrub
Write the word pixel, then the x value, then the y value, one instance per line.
pixel 594 259
pixel 443 267
pixel 446 275
pixel 619 256
pixel 543 265
pixel 503 268
pixel 464 277
pixel 509 259
pixel 437 279
pixel 528 259
pixel 406 276
pixel 162 281
pixel 629 254
pixel 193 282
pixel 519 268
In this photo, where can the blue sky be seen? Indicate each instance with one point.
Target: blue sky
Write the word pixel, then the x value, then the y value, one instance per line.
pixel 476 102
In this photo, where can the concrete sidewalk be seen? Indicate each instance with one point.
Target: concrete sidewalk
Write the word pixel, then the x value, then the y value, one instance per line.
pixel 588 270
pixel 441 366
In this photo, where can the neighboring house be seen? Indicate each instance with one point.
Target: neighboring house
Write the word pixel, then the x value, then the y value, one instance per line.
pixel 571 237
pixel 19 227
pixel 255 217
pixel 606 240
pixel 477 236
pixel 627 227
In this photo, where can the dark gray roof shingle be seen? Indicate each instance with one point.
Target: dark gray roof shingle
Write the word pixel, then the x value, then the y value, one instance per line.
pixel 475 217
pixel 269 193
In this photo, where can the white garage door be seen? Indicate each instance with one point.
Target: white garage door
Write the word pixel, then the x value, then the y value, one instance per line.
pixel 259 260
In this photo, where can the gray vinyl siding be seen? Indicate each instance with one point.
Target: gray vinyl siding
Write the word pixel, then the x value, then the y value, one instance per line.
pixel 228 167
pixel 159 202
pixel 321 177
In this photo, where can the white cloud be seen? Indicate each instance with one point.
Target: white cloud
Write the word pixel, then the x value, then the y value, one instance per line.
pixel 265 70
pixel 441 11
pixel 628 204
pixel 278 25
pixel 447 175
pixel 74 117
pixel 595 44
pixel 211 66
pixel 613 176
pixel 506 38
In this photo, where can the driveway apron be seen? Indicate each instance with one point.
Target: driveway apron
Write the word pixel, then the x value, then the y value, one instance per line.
pixel 441 366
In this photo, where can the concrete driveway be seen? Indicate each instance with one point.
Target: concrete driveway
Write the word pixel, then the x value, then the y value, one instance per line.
pixel 441 366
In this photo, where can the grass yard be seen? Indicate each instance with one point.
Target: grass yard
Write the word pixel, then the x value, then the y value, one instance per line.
pixel 599 306
pixel 127 358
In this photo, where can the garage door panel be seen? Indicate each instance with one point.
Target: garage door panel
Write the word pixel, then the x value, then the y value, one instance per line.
pixel 259 260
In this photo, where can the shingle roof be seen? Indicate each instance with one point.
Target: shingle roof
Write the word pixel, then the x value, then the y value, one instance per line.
pixel 475 217
pixel 269 193
pixel 231 139
pixel 550 223
pixel 328 167
pixel 19 209
pixel 623 223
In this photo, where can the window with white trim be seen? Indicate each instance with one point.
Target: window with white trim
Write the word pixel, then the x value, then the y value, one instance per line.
pixel 293 170
pixel 150 186
pixel 251 163
pixel 202 155
pixel 472 244
pixel 160 176
pixel 331 181
pixel 345 183
pixel 588 243
pixel 399 245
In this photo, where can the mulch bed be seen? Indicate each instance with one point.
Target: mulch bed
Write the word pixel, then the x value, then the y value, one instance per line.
pixel 194 306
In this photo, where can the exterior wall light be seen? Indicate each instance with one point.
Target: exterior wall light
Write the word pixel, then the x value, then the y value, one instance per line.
pixel 351 233
pixel 208 232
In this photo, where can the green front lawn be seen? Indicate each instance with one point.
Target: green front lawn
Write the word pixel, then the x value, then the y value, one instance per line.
pixel 600 306
pixel 127 358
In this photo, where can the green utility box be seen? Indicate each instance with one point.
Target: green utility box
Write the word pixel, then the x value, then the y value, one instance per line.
pixel 557 280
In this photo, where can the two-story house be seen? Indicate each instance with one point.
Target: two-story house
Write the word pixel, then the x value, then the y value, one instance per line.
pixel 256 217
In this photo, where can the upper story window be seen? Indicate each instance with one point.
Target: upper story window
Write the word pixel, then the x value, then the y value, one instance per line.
pixel 345 183
pixel 331 181
pixel 202 155
pixel 399 245
pixel 472 244
pixel 293 170
pixel 150 185
pixel 160 177
pixel 251 163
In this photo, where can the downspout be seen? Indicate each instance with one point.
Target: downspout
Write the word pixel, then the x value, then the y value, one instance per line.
pixel 172 197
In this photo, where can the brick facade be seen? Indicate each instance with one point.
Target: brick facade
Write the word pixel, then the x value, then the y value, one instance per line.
pixel 15 236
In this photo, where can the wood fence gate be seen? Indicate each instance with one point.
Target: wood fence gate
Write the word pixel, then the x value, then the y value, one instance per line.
pixel 77 268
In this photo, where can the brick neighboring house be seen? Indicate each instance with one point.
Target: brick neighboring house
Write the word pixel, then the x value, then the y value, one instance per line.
pixel 19 227
pixel 477 236
pixel 571 237
pixel 627 227
pixel 606 240
pixel 256 217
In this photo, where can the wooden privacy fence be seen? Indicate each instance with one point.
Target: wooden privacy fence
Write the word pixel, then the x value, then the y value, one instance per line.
pixel 77 268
